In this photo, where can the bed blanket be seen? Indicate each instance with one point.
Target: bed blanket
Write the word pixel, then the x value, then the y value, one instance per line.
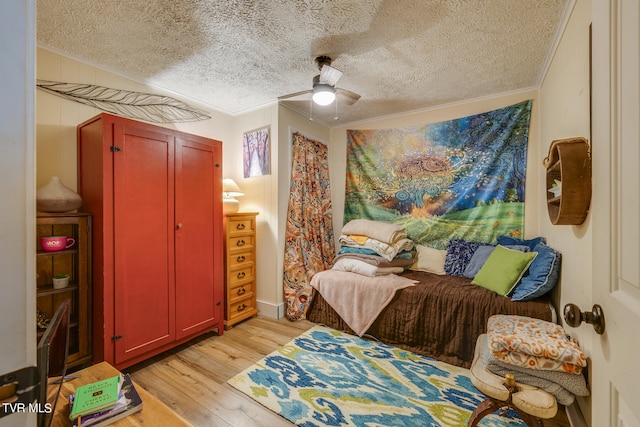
pixel 562 385
pixel 386 250
pixel 534 343
pixel 382 231
pixel 440 317
pixel 358 299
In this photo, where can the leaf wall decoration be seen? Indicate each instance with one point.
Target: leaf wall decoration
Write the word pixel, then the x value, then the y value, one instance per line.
pixel 134 105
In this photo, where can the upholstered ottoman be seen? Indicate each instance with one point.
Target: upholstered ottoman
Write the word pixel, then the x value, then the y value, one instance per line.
pixel 531 403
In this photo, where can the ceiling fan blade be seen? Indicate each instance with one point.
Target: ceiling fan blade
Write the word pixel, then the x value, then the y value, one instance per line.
pixel 295 94
pixel 330 75
pixel 347 96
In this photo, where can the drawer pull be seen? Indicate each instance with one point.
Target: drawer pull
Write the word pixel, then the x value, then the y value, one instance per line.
pixel 242 291
pixel 241 243
pixel 241 275
pixel 241 307
pixel 241 258
pixel 240 226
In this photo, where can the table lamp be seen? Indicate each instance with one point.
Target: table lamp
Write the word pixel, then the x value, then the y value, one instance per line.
pixel 230 190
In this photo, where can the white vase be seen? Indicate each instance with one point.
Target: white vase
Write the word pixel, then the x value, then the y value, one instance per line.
pixel 56 197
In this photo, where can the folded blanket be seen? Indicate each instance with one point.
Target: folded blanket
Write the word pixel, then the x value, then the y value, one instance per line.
pixel 385 250
pixel 382 231
pixel 562 385
pixel 534 344
pixel 404 259
pixel 361 267
pixel 356 298
pixel 358 238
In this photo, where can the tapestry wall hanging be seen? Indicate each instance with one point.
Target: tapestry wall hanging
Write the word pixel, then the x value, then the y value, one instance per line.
pixel 133 105
pixel 458 179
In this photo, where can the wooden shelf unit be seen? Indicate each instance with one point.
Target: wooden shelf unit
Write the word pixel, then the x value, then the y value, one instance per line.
pixel 75 261
pixel 569 162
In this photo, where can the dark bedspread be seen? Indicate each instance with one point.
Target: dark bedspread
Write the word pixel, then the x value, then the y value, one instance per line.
pixel 441 317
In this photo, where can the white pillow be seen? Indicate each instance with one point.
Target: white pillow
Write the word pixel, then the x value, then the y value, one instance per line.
pixel 430 260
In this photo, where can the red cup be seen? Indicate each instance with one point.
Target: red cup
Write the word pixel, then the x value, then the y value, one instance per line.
pixel 57 243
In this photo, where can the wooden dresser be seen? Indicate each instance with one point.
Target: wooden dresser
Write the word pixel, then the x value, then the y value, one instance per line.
pixel 240 267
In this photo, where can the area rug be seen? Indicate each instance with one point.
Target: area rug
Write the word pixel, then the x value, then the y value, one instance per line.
pixel 329 378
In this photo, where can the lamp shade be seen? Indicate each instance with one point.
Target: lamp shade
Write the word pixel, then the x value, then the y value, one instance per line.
pixel 231 189
pixel 323 94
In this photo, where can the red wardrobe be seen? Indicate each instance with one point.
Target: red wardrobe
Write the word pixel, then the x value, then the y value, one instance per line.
pixel 156 198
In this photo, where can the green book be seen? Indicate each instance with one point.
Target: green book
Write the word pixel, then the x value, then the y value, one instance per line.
pixel 95 397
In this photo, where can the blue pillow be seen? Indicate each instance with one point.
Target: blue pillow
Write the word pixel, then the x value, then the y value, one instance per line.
pixel 480 257
pixel 477 260
pixel 508 240
pixel 543 274
pixel 459 253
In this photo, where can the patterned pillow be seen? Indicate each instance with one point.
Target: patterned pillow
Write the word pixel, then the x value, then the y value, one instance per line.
pixel 459 253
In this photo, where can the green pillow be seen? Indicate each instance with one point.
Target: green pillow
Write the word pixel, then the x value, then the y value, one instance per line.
pixel 502 271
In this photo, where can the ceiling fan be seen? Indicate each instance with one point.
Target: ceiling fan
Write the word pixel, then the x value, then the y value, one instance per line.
pixel 324 91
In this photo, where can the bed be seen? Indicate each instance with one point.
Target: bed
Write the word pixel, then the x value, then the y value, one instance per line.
pixel 440 317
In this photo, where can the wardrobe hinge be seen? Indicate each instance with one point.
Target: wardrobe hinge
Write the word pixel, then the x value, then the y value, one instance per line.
pixel 116 338
pixel 115 148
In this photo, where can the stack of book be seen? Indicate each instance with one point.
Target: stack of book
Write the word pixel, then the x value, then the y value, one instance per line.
pixel 104 402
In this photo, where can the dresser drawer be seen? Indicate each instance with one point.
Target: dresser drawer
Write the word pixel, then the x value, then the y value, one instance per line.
pixel 241 292
pixel 240 225
pixel 241 275
pixel 240 259
pixel 240 244
pixel 242 308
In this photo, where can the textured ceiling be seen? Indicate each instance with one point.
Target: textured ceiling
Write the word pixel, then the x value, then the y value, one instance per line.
pixel 236 55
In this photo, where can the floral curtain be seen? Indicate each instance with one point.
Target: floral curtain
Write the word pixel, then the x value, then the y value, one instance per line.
pixel 309 241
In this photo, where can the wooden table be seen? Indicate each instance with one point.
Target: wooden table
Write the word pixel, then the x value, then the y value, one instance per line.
pixel 154 412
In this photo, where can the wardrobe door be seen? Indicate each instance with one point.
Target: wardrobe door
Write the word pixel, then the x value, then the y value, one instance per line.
pixel 143 200
pixel 198 234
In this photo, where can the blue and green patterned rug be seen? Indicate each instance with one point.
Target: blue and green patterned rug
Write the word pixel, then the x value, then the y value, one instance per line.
pixel 329 378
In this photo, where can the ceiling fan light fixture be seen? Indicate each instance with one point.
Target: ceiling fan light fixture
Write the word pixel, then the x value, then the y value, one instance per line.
pixel 323 94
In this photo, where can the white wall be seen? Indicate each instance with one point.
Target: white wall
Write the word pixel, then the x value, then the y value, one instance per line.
pixel 57 118
pixel 260 195
pixel 17 192
pixel 564 113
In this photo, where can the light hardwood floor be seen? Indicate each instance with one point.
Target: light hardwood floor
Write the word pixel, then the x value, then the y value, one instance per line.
pixel 192 379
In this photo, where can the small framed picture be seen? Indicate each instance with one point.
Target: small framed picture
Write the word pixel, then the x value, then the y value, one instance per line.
pixel 256 152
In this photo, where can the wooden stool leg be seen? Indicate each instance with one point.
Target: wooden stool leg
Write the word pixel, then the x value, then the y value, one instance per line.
pixel 490 405
pixel 529 419
pixel 485 408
